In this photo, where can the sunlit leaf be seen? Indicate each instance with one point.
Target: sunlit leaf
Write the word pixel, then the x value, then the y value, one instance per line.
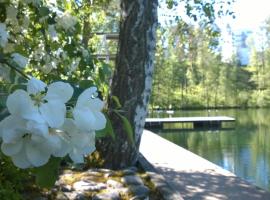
pixel 117 102
pixel 44 11
pixel 107 131
pixel 47 174
pixel 128 128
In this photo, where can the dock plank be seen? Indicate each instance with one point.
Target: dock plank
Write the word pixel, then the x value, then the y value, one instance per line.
pixel 194 177
pixel 198 122
pixel 190 119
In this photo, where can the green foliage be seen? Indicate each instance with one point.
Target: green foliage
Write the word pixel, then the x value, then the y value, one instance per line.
pixel 47 174
pixel 69 57
pixel 107 131
pixel 127 127
pixel 116 102
pixel 13 181
pixel 204 11
pixel 58 41
pixel 190 73
pixel 125 123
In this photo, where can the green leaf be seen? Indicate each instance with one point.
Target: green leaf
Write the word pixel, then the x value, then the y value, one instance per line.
pixel 104 72
pixel 44 11
pixel 117 102
pixel 3 100
pixel 107 131
pixel 76 94
pixel 51 20
pixel 84 84
pixel 14 87
pixel 12 75
pixel 68 5
pixel 2 12
pixel 46 175
pixel 127 127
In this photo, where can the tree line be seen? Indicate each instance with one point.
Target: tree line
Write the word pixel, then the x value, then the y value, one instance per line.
pixel 190 72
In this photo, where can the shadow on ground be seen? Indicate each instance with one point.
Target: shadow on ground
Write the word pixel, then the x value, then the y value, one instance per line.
pixel 209 185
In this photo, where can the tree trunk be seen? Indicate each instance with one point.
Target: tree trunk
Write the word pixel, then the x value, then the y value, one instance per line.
pixel 132 80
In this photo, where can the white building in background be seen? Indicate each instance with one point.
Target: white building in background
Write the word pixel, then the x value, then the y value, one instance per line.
pixel 227 49
pixel 234 46
pixel 243 51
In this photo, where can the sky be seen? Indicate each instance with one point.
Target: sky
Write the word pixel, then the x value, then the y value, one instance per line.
pixel 250 13
pixel 249 16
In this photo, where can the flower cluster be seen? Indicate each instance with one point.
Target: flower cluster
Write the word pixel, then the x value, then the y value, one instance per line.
pixel 38 127
pixel 40 35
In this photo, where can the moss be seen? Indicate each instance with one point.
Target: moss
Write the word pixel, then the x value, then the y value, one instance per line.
pixel 94 160
pixel 154 193
pixel 17 184
pixel 13 181
pixel 70 177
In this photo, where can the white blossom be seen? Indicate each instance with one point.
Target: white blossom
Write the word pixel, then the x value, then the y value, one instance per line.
pixel 53 2
pixel 19 59
pixel 67 21
pixel 76 143
pixel 87 112
pixel 34 2
pixel 74 65
pixel 85 54
pixel 47 68
pixel 11 13
pixel 39 52
pixel 3 35
pixel 26 145
pixel 26 22
pixel 4 73
pixel 38 105
pixel 52 33
pixel 10 47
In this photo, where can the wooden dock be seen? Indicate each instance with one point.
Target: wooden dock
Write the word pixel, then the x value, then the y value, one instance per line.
pixel 191 175
pixel 198 122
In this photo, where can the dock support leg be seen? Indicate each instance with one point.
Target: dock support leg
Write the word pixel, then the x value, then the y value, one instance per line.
pixel 208 124
pixel 155 125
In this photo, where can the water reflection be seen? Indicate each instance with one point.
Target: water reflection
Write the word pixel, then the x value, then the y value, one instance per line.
pixel 244 150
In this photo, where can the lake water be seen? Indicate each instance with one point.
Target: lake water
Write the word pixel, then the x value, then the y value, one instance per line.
pixel 243 149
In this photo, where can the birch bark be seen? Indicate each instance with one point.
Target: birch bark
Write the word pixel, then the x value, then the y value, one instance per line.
pixel 132 80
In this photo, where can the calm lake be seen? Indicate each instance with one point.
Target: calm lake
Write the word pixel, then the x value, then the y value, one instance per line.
pixel 243 149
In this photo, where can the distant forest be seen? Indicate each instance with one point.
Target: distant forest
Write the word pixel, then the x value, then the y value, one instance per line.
pixel 190 71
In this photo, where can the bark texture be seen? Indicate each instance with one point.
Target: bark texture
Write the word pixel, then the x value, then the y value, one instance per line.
pixel 132 80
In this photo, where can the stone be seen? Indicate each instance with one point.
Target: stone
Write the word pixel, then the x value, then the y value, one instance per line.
pixel 139 190
pixel 61 196
pixel 133 168
pixel 139 198
pixel 130 171
pixel 93 173
pixel 104 170
pixel 127 172
pixel 66 178
pixel 88 186
pixel 109 174
pixel 132 180
pixel 66 188
pixel 108 195
pixel 41 198
pixel 114 184
pixel 53 190
pixel 75 196
pixel 123 190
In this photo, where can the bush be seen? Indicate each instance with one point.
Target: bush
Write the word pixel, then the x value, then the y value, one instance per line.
pixel 13 181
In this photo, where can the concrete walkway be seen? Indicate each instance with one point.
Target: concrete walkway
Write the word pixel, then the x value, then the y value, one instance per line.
pixel 194 177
